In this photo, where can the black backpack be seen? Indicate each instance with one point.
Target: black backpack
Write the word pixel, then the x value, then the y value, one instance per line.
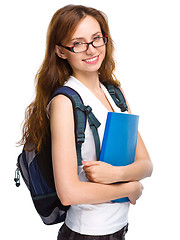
pixel 36 167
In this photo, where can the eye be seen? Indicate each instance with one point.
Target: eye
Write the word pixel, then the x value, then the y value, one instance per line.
pixel 97 38
pixel 77 43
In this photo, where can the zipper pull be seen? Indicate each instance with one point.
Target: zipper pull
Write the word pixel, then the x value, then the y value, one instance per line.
pixel 17 177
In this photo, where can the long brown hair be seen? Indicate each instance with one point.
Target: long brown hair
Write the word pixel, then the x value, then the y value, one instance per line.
pixel 54 71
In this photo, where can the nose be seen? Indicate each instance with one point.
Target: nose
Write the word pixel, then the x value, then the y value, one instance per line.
pixel 90 49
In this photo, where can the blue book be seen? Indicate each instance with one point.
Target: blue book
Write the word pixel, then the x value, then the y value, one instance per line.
pixel 119 141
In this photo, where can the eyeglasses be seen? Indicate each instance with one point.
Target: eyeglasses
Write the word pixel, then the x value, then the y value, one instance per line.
pixel 80 47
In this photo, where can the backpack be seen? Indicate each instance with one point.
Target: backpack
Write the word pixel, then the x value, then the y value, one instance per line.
pixel 36 166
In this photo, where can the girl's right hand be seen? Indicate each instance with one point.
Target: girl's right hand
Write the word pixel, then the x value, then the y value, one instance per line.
pixel 135 191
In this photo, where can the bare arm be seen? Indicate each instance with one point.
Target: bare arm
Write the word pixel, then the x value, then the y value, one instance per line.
pixel 97 171
pixel 101 172
pixel 69 189
pixel 142 166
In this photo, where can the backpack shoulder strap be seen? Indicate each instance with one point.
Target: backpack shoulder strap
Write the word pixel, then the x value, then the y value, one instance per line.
pixel 117 96
pixel 79 116
pixel 81 113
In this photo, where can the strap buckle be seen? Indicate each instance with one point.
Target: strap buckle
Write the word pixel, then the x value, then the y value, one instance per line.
pixel 111 90
pixel 80 138
pixel 88 109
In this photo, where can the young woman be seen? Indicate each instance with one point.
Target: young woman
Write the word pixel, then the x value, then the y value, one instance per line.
pixel 79 54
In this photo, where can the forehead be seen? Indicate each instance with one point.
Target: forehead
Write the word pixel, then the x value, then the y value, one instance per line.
pixel 86 28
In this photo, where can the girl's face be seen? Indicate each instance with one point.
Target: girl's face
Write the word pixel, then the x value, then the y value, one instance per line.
pixel 87 62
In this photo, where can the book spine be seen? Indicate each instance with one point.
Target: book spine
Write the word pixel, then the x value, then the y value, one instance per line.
pixel 105 136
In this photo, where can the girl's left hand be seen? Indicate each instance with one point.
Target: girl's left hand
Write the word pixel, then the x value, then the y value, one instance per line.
pixel 99 172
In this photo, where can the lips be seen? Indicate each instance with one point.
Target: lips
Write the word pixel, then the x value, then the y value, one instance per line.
pixel 92 60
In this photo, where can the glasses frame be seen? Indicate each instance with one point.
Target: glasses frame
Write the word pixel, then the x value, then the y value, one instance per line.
pixel 71 49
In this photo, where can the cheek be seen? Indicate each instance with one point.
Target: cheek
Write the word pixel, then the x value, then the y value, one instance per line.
pixel 75 62
pixel 103 51
pixel 72 60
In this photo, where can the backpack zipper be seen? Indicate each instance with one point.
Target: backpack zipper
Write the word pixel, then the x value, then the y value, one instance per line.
pixel 17 175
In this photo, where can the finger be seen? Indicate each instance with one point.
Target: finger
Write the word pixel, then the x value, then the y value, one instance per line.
pixel 133 202
pixel 89 163
pixel 86 169
pixel 89 177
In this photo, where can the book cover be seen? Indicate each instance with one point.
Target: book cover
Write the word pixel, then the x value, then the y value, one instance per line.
pixel 119 141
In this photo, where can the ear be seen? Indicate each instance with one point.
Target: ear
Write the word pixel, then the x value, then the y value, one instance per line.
pixel 59 52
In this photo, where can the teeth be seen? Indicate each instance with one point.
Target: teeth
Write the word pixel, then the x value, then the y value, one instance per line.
pixel 91 60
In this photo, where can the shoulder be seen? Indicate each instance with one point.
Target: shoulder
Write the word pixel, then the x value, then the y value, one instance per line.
pixel 61 114
pixel 60 103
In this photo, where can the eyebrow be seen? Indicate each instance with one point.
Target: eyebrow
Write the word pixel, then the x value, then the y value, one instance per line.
pixel 80 38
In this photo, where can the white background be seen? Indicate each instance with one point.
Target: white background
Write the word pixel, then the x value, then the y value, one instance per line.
pixel 147 41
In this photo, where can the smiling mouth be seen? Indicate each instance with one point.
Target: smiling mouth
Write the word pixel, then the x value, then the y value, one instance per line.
pixel 92 60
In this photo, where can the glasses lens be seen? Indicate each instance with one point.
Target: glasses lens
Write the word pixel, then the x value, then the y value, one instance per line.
pixel 80 48
pixel 100 42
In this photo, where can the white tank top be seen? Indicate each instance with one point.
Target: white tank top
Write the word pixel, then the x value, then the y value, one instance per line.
pixel 94 219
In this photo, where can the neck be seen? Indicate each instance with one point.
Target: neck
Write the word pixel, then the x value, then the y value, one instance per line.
pixel 90 80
